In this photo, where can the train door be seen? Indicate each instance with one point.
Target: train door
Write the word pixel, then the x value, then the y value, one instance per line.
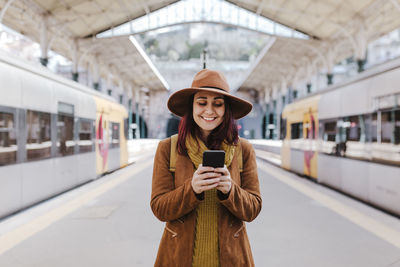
pixel 285 150
pixel 310 134
pixel 102 141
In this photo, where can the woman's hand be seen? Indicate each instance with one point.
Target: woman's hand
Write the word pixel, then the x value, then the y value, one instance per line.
pixel 205 178
pixel 225 181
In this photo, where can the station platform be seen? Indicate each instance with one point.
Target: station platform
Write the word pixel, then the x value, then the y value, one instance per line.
pixel 108 222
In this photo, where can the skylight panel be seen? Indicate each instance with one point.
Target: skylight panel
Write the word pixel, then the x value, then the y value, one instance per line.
pixel 214 11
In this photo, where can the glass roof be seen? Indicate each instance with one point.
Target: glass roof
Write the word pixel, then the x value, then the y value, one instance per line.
pixel 210 11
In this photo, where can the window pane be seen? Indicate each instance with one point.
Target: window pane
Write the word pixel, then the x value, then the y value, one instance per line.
pixel 86 136
pixel 297 130
pixel 374 128
pixel 328 137
pixel 329 131
pixel 114 135
pixel 283 128
pixel 65 135
pixel 353 130
pixel 387 127
pixel 8 142
pixel 38 143
pixel 126 128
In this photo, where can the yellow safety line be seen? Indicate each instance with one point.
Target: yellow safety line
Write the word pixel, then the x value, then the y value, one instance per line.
pixel 16 236
pixel 384 232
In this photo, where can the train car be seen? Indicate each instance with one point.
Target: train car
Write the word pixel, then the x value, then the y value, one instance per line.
pixel 55 134
pixel 348 136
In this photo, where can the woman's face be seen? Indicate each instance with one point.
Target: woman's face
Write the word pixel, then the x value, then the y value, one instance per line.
pixel 208 111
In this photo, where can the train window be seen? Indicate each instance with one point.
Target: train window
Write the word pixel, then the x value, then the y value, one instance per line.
pixel 115 135
pixel 329 133
pixel 65 135
pixel 65 129
pixel 8 141
pixel 126 128
pixel 374 127
pixel 353 129
pixel 387 126
pixel 283 128
pixel 367 128
pixel 38 132
pixel 296 130
pixel 85 136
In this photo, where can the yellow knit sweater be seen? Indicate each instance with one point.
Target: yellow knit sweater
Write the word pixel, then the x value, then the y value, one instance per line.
pixel 206 250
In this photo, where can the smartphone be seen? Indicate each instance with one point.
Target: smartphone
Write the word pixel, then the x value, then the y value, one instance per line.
pixel 214 158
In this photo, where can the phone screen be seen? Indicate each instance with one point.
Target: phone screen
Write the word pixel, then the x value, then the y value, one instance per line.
pixel 214 158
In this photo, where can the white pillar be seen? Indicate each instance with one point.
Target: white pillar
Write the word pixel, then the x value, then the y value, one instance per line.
pixel 120 90
pixel 44 41
pixel 75 60
pixel 137 112
pixel 361 40
pixel 94 62
pixel 109 83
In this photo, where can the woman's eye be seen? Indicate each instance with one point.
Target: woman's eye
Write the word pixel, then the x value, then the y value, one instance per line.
pixel 218 104
pixel 202 103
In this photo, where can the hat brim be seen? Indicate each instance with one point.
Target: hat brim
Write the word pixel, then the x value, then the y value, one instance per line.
pixel 178 102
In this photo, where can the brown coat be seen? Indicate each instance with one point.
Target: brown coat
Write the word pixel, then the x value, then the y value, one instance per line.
pixel 174 201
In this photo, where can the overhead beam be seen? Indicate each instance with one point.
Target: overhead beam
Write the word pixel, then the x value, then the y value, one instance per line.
pixel 4 10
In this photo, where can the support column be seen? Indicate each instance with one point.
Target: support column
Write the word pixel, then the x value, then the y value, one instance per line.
pixel 361 39
pixel 361 64
pixel 142 128
pixel 95 73
pixel 309 72
pixel 121 91
pixel 283 92
pixel 267 121
pixel 266 99
pixel 289 95
pixel 130 134
pixel 274 121
pixel 75 60
pixel 44 42
pixel 330 59
pixel 137 118
pixel 130 115
pixel 283 99
pixel 329 77
pixel 308 85
pixel 109 83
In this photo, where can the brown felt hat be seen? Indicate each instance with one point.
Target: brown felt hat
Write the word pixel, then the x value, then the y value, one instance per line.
pixel 209 81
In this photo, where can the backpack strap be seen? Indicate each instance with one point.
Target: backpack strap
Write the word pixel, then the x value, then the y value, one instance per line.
pixel 240 158
pixel 172 155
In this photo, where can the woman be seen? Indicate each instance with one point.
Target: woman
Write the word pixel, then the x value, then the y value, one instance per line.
pixel 205 208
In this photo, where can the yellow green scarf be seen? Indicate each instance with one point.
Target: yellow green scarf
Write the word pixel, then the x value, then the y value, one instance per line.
pixel 206 251
pixel 196 147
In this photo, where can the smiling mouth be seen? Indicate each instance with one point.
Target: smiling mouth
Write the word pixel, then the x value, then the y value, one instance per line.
pixel 209 119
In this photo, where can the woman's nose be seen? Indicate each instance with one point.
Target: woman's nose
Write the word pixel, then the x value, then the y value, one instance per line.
pixel 209 109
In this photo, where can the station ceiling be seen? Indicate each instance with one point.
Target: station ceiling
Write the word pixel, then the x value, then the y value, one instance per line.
pixel 337 28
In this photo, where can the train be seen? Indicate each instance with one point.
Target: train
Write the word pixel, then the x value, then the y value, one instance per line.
pixel 55 134
pixel 347 136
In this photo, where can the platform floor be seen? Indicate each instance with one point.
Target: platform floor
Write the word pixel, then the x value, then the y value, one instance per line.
pixel 109 223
